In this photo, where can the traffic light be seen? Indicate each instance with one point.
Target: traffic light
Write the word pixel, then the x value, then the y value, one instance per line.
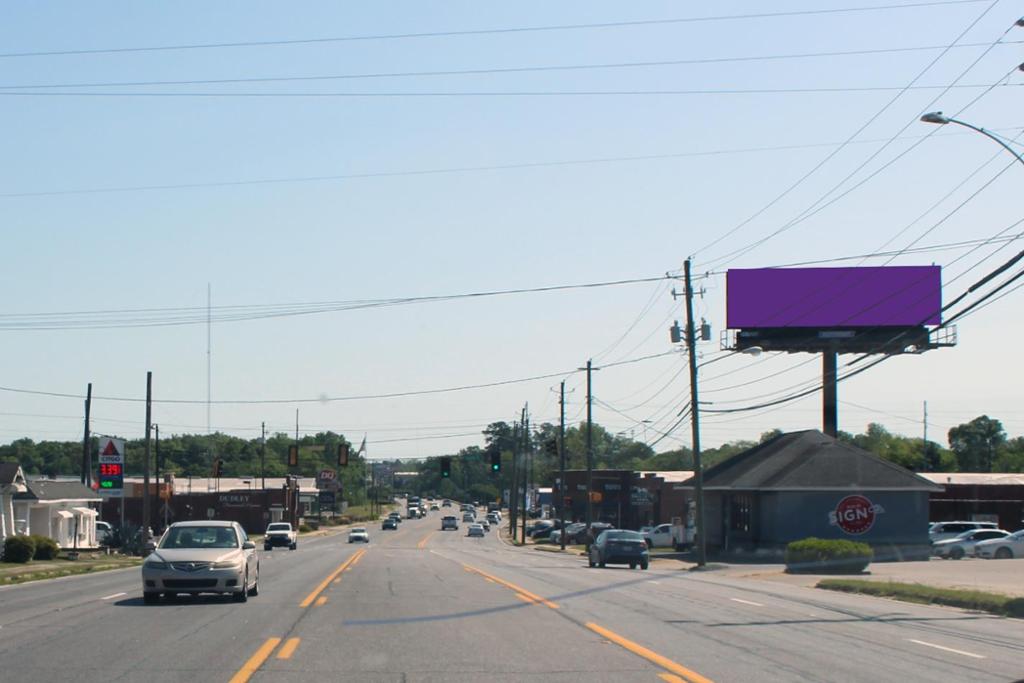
pixel 495 462
pixel 446 468
pixel 217 467
pixel 293 455
pixel 343 455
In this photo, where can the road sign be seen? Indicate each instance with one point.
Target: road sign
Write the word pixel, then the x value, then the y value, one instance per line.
pixel 327 475
pixel 111 462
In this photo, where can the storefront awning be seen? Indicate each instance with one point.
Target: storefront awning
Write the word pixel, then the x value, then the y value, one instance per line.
pixel 65 514
pixel 86 511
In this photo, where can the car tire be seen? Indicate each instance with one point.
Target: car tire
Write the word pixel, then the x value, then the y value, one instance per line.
pixel 293 546
pixel 600 564
pixel 255 590
pixel 150 598
pixel 644 565
pixel 1004 554
pixel 242 595
pixel 956 553
pixel 632 565
pixel 268 548
pixel 170 597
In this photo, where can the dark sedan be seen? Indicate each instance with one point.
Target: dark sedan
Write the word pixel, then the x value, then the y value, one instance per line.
pixel 389 523
pixel 617 546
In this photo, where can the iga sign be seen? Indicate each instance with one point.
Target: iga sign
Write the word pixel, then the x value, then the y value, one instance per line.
pixel 855 515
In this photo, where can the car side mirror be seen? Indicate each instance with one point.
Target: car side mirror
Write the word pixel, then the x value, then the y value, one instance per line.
pixel 149 547
pixel 248 545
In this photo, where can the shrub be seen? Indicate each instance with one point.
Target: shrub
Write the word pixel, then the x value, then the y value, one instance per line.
pixel 817 555
pixel 19 549
pixel 46 547
pixel 304 528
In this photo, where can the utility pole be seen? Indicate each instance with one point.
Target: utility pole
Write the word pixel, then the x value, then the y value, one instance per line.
pixel 86 442
pixel 526 455
pixel 145 466
pixel 263 456
pixel 562 488
pixel 590 452
pixel 513 488
pixel 156 454
pixel 698 471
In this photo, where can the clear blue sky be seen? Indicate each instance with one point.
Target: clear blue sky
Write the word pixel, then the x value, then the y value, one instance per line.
pixel 405 234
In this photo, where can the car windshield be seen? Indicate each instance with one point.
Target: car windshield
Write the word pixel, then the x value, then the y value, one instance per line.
pixel 358 530
pixel 199 537
pixel 279 527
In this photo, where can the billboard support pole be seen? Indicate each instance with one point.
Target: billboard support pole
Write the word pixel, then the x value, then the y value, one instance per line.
pixel 829 394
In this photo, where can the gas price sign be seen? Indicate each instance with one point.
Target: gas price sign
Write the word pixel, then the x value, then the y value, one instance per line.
pixel 111 460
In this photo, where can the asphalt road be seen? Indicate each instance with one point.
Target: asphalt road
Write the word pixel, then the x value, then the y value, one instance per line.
pixel 419 604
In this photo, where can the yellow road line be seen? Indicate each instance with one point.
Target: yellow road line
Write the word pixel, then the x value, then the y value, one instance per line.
pixel 525 598
pixel 649 655
pixel 322 600
pixel 423 543
pixel 288 649
pixel 671 678
pixel 323 584
pixel 256 661
pixel 512 586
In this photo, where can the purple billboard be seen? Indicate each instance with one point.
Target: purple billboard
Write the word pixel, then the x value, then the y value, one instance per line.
pixel 885 296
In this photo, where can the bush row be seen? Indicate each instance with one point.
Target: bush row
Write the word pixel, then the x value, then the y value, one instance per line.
pixel 818 555
pixel 953 597
pixel 23 549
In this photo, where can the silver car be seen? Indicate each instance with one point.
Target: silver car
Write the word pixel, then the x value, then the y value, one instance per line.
pixel 202 557
pixel 475 530
pixel 358 535
pixel 965 543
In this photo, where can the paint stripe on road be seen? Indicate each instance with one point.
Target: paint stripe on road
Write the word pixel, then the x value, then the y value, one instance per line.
pixel 288 649
pixel 322 600
pixel 649 655
pixel 423 543
pixel 335 574
pixel 947 649
pixel 512 586
pixel 115 595
pixel 671 678
pixel 256 661
pixel 747 602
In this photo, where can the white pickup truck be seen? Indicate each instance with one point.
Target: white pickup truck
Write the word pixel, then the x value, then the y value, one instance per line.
pixel 280 533
pixel 668 536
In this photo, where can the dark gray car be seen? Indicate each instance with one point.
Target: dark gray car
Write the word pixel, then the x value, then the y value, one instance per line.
pixel 617 546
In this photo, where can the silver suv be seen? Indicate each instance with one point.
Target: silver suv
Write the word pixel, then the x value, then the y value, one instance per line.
pixel 940 531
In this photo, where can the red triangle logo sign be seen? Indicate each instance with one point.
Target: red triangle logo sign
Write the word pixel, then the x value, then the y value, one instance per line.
pixel 110 449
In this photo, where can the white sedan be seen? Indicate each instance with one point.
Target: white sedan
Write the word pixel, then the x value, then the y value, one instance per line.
pixel 965 544
pixel 1002 548
pixel 475 530
pixel 358 534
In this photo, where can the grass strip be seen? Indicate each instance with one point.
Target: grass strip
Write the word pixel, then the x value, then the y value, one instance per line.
pixel 71 569
pixel 983 601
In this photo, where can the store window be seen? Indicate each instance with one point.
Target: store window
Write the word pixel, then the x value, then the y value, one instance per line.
pixel 741 511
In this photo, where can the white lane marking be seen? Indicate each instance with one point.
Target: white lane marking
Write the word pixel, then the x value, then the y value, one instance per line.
pixel 115 595
pixel 947 649
pixel 747 602
pixel 656 583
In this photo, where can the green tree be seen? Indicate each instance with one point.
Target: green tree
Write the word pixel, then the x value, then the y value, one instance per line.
pixel 976 443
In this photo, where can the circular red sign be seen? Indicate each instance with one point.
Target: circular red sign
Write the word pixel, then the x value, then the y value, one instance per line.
pixel 855 514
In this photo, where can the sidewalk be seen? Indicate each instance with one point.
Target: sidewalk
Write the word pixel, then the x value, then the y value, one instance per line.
pixel 997 576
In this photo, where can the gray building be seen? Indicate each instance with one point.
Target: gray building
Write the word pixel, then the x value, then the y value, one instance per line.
pixel 804 484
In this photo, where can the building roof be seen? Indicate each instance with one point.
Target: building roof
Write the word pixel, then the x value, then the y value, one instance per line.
pixel 975 478
pixel 9 472
pixel 811 461
pixel 48 489
pixel 668 476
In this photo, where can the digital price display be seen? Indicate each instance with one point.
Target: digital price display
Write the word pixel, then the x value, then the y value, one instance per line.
pixel 111 465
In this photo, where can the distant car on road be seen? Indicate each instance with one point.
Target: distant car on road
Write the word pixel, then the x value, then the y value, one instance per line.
pixel 449 522
pixel 965 543
pixel 940 531
pixel 202 557
pixel 617 546
pixel 468 517
pixel 389 523
pixel 280 534
pixel 1002 548
pixel 493 518
pixel 397 516
pixel 485 524
pixel 475 530
pixel 358 534
pixel 446 503
pixel 434 507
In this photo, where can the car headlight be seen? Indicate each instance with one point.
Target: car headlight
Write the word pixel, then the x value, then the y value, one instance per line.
pixel 228 564
pixel 152 564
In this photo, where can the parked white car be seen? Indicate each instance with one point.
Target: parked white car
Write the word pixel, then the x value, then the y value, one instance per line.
pixel 940 531
pixel 1002 548
pixel 964 544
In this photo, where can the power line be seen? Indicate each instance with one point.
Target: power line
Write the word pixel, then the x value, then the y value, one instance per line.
pixel 489 71
pixel 501 93
pixel 492 31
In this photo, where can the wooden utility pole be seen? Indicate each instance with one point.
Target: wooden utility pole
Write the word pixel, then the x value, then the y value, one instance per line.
pixel 590 452
pixel 526 470
pixel 563 490
pixel 512 489
pixel 86 442
pixel 263 457
pixel 698 471
pixel 145 464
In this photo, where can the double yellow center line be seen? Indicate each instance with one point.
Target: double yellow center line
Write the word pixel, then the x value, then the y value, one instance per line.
pixel 350 562
pixel 261 655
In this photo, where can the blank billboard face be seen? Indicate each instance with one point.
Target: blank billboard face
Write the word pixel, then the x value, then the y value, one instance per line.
pixel 886 296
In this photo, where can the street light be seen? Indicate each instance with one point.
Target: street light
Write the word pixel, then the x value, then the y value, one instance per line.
pixel 939 118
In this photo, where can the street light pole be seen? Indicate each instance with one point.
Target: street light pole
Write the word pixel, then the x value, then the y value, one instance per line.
pixel 939 118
